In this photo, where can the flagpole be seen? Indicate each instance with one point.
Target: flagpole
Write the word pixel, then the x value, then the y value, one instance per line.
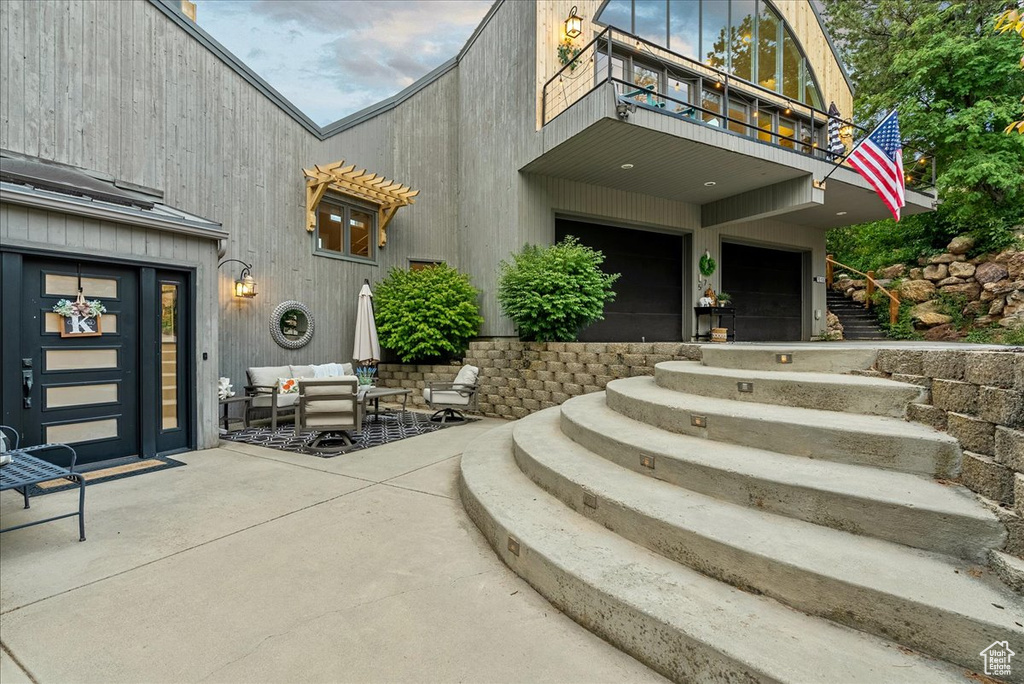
pixel 847 156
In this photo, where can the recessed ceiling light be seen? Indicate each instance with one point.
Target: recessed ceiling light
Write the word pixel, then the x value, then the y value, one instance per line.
pixel 627 166
pixel 840 213
pixel 710 184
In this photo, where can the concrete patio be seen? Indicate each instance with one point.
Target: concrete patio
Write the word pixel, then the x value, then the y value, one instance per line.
pixel 252 564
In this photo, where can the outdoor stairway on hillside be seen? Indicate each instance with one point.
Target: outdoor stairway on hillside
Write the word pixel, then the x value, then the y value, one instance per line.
pixel 739 519
pixel 858 323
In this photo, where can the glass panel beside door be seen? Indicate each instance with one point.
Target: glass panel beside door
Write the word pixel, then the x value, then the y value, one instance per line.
pixel 174 361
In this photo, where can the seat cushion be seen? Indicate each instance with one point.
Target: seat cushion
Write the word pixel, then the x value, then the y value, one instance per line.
pixel 283 400
pixel 467 376
pixel 267 375
pixel 445 397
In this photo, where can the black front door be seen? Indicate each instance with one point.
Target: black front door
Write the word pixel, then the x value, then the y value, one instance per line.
pixel 648 302
pixel 765 285
pixel 79 390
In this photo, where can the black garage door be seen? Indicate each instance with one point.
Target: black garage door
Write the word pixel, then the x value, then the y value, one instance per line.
pixel 649 294
pixel 765 285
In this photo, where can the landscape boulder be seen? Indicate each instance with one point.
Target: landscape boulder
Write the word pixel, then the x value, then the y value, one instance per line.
pixel 1015 266
pixel 936 271
pixel 952 280
pixel 917 290
pixel 942 333
pixel 894 271
pixel 916 274
pixel 942 259
pixel 960 245
pixel 930 319
pixel 969 290
pixel 990 272
pixel 961 269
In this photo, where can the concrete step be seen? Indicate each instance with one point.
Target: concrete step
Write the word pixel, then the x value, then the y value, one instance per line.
pixel 828 435
pixel 829 391
pixel 823 358
pixel 925 601
pixel 898 507
pixel 683 624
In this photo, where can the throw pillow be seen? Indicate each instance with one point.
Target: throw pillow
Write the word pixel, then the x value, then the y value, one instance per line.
pixel 467 376
pixel 287 385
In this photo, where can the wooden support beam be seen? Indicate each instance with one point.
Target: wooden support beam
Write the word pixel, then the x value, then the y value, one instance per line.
pixel 383 219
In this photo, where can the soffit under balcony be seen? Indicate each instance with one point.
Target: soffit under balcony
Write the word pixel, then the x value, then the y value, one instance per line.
pixel 674 159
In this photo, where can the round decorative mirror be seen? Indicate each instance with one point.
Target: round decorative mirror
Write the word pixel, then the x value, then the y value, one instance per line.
pixel 291 324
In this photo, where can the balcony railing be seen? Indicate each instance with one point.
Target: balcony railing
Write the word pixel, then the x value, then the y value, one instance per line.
pixel 596 63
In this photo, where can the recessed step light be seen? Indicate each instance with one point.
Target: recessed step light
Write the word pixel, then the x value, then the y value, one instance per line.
pixel 710 184
pixel 627 166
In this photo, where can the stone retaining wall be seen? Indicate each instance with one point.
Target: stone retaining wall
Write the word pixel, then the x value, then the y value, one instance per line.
pixel 977 397
pixel 518 378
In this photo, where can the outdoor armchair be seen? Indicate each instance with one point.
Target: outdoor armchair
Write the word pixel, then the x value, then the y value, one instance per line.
pixel 449 399
pixel 331 407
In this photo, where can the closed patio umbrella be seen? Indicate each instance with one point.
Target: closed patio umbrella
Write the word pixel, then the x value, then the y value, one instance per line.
pixel 366 349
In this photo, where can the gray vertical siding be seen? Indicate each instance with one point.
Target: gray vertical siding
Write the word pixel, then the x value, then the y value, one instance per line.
pixel 119 88
pixel 80 237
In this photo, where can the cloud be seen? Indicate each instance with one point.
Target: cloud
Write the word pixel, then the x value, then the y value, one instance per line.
pixel 331 58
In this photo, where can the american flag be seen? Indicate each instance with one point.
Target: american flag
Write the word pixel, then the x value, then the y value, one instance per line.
pixel 835 142
pixel 879 159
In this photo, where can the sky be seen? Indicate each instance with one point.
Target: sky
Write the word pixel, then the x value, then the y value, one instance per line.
pixel 334 57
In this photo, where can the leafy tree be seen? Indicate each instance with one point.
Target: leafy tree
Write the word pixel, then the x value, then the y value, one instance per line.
pixel 1012 20
pixel 956 84
pixel 551 293
pixel 426 313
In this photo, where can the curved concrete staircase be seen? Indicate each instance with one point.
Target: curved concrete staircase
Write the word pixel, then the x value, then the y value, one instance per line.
pixel 740 520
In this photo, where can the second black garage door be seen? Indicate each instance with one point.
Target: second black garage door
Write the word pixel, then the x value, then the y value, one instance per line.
pixel 765 285
pixel 649 294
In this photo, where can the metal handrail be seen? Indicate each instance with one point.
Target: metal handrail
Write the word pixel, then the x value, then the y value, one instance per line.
pixel 872 284
pixel 612 37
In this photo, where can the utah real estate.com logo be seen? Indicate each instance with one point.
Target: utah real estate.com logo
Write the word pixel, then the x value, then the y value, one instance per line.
pixel 997 659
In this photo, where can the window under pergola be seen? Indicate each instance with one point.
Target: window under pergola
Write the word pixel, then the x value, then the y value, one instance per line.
pixel 387 195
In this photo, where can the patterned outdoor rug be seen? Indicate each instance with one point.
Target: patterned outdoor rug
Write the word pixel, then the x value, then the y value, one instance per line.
pixel 390 428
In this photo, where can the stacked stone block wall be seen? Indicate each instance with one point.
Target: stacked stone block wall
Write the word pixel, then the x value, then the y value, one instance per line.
pixel 977 397
pixel 518 378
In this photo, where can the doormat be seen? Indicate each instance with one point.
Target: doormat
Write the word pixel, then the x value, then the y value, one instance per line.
pixel 392 427
pixel 100 475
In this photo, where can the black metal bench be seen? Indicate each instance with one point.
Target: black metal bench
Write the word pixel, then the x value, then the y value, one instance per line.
pixel 25 470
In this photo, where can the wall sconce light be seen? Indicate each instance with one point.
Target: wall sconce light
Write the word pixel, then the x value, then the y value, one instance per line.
pixel 245 285
pixel 573 24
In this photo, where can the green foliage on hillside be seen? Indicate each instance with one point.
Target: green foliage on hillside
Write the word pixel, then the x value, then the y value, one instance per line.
pixel 957 85
pixel 426 314
pixel 551 293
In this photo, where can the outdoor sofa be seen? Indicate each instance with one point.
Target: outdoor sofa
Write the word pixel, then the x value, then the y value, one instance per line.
pixel 269 399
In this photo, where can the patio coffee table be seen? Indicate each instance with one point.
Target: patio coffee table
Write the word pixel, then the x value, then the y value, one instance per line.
pixel 25 470
pixel 378 393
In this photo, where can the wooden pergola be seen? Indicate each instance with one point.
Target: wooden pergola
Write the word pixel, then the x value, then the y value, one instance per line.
pixel 387 195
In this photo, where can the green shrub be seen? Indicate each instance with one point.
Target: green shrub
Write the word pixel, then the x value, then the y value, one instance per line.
pixel 904 328
pixel 953 305
pixel 996 335
pixel 551 293
pixel 430 313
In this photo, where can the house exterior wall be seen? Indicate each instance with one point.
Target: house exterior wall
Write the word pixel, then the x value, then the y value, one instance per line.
pixel 122 89
pixel 798 14
pixel 119 89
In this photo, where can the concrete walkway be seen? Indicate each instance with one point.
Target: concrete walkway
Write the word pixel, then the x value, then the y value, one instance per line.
pixel 253 565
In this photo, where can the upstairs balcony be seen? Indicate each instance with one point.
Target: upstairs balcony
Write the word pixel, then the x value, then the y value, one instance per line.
pixel 689 131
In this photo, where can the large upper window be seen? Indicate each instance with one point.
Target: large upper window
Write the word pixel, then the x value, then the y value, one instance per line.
pixel 344 229
pixel 747 38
